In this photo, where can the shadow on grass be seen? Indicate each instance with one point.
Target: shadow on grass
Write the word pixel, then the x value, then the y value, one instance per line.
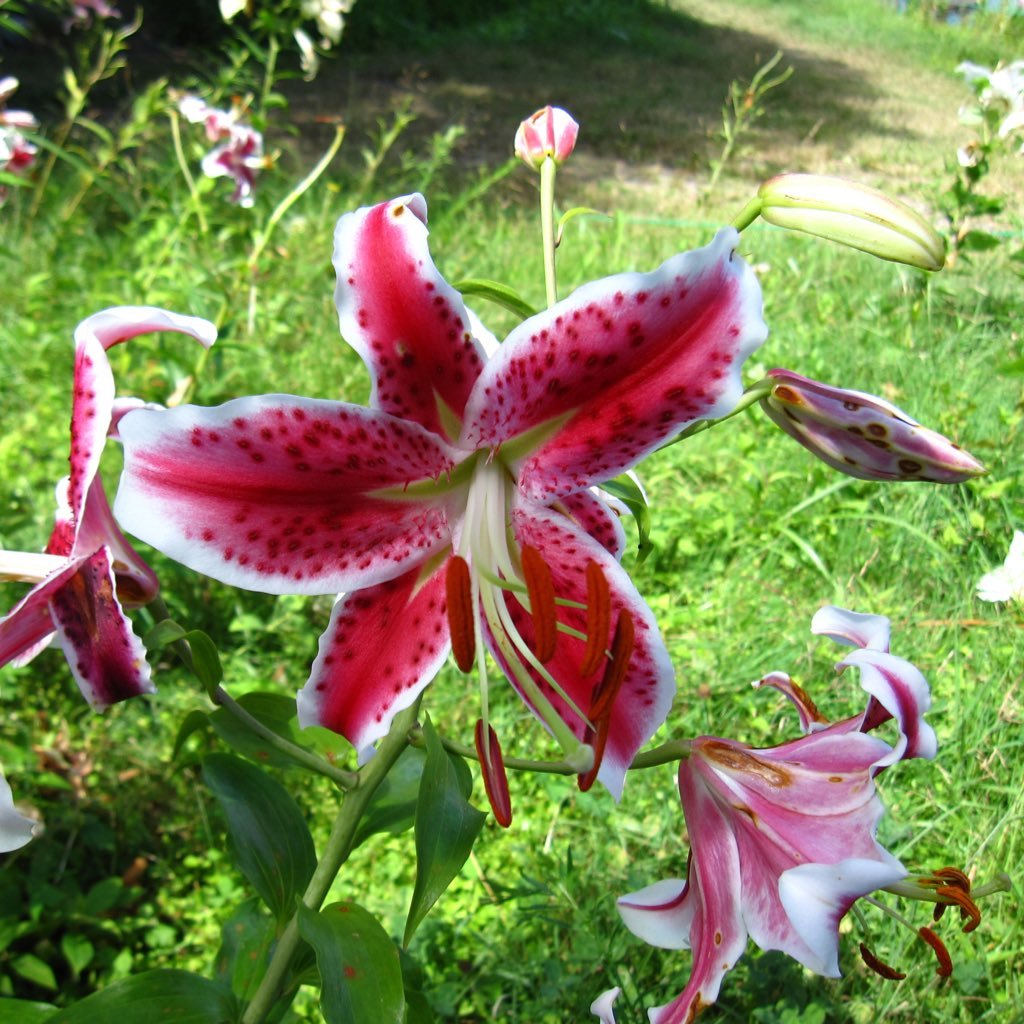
pixel 646 82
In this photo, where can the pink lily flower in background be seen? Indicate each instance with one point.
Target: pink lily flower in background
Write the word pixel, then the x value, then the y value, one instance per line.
pixel 239 153
pixel 782 839
pixel 862 435
pixel 424 508
pixel 549 132
pixel 89 571
pixel 17 154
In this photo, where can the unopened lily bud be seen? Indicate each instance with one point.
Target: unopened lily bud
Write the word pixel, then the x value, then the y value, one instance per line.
pixel 550 132
pixel 863 436
pixel 854 215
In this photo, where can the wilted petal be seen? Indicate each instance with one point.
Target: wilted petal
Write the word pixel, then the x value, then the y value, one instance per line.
pixel 408 324
pixel 853 629
pixel 383 645
pixel 15 829
pixel 283 494
pixel 619 367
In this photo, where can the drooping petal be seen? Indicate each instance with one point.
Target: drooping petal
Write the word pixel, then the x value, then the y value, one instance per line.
pixel 106 658
pixel 660 914
pixel 15 829
pixel 811 719
pixel 619 367
pixel 396 310
pixel 28 628
pixel 601 1007
pixel 853 629
pixel 903 691
pixel 281 494
pixel 646 693
pixel 384 644
pixel 94 382
pixel 817 896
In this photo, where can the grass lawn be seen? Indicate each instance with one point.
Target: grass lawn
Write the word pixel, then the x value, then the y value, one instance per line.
pixel 750 534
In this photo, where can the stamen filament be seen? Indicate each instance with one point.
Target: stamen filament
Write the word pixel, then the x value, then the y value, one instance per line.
pixel 599 610
pixel 541 591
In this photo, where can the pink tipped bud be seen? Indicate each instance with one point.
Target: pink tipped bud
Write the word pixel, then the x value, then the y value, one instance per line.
pixel 550 132
pixel 492 766
pixel 863 436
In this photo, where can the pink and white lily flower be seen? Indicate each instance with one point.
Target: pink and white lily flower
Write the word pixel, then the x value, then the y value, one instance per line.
pixel 782 840
pixel 421 508
pixel 89 571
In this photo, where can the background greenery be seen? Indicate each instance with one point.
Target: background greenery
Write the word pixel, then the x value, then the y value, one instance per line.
pixel 751 534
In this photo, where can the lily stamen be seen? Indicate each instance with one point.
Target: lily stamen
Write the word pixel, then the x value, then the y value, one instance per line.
pixel 541 592
pixel 461 624
pixel 610 683
pixel 945 968
pixel 599 610
pixel 880 967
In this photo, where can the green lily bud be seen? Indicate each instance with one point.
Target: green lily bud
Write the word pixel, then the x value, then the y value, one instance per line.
pixel 854 215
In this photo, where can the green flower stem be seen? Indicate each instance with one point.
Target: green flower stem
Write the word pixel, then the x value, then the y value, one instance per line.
pixel 753 394
pixel 179 152
pixel 547 224
pixel 335 853
pixel 673 750
pixel 220 696
pixel 345 779
pixel 748 214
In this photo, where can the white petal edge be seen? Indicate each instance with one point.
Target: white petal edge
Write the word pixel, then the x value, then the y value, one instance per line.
pixel 658 914
pixel 852 629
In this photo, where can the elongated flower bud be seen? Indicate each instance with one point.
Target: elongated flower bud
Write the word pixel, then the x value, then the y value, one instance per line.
pixel 863 436
pixel 854 215
pixel 550 132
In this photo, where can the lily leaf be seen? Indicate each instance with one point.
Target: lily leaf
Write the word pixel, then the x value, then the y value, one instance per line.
pixel 393 806
pixel 360 974
pixel 24 1011
pixel 446 828
pixel 576 211
pixel 499 293
pixel 272 845
pixel 176 997
pixel 628 491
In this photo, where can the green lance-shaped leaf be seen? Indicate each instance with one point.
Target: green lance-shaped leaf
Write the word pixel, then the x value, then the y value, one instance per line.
pixel 446 827
pixel 170 997
pixel 628 491
pixel 393 806
pixel 498 293
pixel 247 940
pixel 273 847
pixel 23 1011
pixel 360 974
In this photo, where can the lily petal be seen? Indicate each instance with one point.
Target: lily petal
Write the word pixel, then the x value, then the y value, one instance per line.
pixel 601 1007
pixel 382 647
pixel 811 719
pixel 596 517
pixel 282 494
pixel 15 829
pixel 619 367
pixel 853 629
pixel 646 694
pixel 408 324
pixel 659 914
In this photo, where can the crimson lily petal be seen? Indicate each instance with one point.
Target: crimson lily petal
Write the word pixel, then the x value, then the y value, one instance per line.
pixel 396 310
pixel 595 517
pixel 277 493
pixel 382 647
pixel 619 367
pixel 646 693
pixel 28 628
pixel 106 658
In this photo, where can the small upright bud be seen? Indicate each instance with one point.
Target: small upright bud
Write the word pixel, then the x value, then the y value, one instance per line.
pixel 550 132
pixel 863 436
pixel 854 215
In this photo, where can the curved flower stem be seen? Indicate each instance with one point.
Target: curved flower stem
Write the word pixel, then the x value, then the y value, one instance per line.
pixel 547 225
pixel 179 152
pixel 673 750
pixel 335 853
pixel 748 214
pixel 343 778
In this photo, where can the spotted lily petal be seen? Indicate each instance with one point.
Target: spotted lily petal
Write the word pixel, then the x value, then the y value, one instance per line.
pixel 597 517
pixel 618 367
pixel 282 494
pixel 393 638
pixel 408 324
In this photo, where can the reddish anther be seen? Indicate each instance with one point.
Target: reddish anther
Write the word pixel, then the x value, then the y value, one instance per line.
pixel 880 967
pixel 493 768
pixel 615 673
pixel 945 968
pixel 969 911
pixel 541 590
pixel 598 739
pixel 459 594
pixel 599 616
